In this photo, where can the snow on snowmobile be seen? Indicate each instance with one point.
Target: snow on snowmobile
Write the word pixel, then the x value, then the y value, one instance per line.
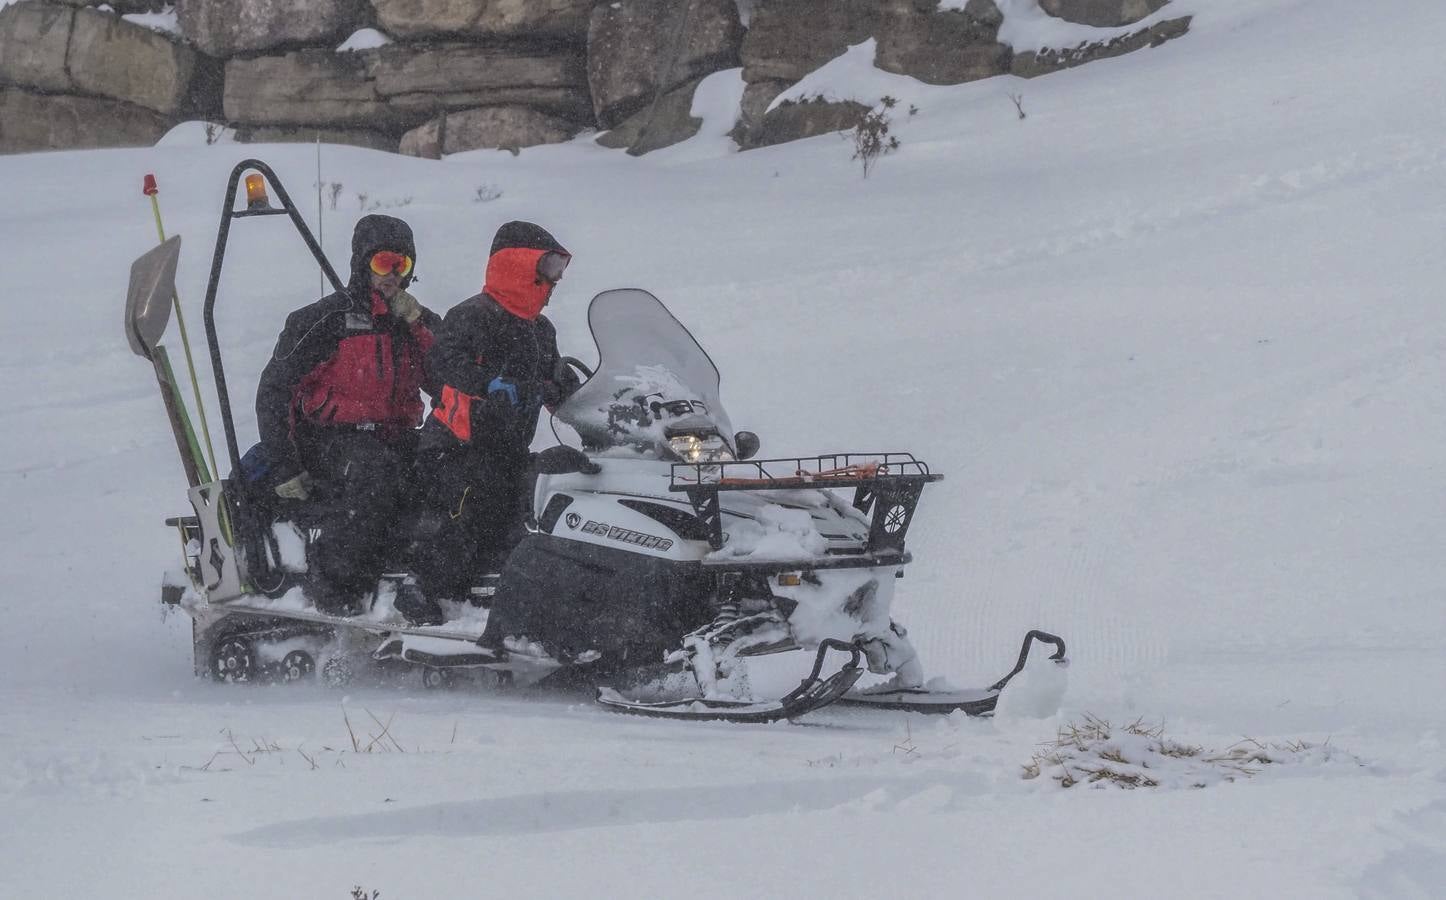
pixel 682 579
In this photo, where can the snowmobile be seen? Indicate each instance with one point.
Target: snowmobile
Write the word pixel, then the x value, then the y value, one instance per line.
pixel 675 576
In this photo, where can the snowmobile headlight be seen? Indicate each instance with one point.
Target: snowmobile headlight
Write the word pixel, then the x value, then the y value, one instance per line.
pixel 698 448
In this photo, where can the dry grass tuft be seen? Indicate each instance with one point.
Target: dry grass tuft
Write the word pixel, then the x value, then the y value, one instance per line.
pixel 1094 752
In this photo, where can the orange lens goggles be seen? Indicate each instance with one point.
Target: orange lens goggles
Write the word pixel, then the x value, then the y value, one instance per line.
pixel 386 262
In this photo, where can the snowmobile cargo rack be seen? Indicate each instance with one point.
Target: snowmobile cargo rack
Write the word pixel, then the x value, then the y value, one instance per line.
pixel 886 486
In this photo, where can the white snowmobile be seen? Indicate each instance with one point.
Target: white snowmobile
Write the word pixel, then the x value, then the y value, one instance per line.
pixel 683 579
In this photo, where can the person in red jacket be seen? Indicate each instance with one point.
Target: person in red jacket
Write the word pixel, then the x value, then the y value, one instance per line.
pixel 496 362
pixel 338 407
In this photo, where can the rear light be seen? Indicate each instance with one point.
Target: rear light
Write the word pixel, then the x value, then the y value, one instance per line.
pixel 256 192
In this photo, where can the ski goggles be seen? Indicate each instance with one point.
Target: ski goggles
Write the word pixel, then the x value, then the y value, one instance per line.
pixel 387 262
pixel 551 265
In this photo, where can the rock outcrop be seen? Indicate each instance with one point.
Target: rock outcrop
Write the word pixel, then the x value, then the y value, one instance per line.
pixel 307 87
pixel 1041 62
pixel 62 49
pixel 463 76
pixel 223 28
pixel 490 128
pixel 537 20
pixel 1102 13
pixel 787 39
pixel 949 47
pixel 639 49
pixel 35 38
pixel 30 122
pixel 110 57
pixel 659 125
pixel 352 137
pixel 457 75
pixel 67 61
pixel 792 121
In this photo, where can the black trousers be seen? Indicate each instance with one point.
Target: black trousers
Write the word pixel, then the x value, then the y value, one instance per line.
pixel 362 487
pixel 475 506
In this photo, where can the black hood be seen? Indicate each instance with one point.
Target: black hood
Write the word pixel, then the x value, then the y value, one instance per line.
pixel 526 235
pixel 375 233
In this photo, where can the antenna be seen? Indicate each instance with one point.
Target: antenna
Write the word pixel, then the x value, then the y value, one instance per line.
pixel 320 229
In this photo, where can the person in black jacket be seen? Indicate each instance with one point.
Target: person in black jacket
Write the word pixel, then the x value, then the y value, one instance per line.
pixel 338 407
pixel 495 359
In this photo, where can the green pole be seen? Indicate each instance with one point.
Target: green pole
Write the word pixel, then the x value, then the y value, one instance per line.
pixel 151 190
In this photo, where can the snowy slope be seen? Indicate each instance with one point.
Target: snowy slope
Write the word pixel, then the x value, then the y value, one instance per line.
pixel 1174 338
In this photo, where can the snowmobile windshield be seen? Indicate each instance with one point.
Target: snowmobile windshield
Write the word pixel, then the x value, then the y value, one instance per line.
pixel 653 384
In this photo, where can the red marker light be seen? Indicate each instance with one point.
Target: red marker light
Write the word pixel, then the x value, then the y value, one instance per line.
pixel 148 186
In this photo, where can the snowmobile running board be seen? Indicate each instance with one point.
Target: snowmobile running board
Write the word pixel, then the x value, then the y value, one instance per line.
pixel 970 702
pixel 812 693
pixel 313 617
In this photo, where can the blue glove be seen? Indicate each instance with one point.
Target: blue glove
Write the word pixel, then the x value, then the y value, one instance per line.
pixel 507 388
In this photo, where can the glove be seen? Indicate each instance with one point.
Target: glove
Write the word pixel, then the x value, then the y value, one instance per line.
pixel 298 488
pixel 405 307
pixel 561 460
pixel 562 386
pixel 504 388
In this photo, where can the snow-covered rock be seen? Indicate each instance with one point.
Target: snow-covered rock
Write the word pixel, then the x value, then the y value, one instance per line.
pixel 224 28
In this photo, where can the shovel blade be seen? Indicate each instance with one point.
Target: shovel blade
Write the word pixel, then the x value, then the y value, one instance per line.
pixel 148 302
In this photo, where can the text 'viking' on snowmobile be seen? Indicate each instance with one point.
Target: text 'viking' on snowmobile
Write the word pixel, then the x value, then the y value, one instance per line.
pixel 684 579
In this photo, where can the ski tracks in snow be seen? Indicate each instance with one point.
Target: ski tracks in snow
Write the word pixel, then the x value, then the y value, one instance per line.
pixel 1417 867
pixel 553 811
pixel 1144 215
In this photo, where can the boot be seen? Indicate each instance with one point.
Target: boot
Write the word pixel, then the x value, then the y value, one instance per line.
pixel 329 598
pixel 416 607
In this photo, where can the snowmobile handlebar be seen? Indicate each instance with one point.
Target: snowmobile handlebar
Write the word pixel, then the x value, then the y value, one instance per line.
pixel 570 362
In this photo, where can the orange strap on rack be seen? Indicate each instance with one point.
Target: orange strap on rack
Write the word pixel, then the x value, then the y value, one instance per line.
pixel 867 470
pixel 769 482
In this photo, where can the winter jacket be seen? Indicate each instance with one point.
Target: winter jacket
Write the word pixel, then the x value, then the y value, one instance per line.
pixel 345 360
pixel 496 353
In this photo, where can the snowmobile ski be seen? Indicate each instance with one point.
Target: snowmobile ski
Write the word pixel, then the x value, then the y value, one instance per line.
pixel 923 700
pixel 973 702
pixel 811 694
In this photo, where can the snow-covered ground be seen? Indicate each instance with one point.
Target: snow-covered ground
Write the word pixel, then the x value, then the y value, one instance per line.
pixel 1175 338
